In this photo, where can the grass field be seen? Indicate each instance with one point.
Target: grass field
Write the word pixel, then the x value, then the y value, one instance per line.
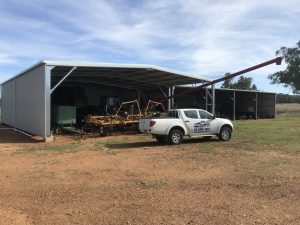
pixel 288 108
pixel 130 179
pixel 282 134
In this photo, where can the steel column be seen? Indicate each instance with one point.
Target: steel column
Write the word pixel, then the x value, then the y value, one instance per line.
pixel 48 100
pixel 256 106
pixel 172 99
pixel 206 95
pixel 213 99
pixel 169 99
pixel 275 105
pixel 233 105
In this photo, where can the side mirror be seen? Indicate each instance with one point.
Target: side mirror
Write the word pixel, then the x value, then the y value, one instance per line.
pixel 214 117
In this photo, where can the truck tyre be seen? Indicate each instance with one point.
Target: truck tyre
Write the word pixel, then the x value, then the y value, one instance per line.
pixel 225 134
pixel 160 139
pixel 175 137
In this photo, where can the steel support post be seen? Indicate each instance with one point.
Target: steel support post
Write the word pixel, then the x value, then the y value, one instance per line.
pixel 172 99
pixel 213 99
pixel 139 97
pixel 47 96
pixel 233 105
pixel 206 95
pixel 256 106
pixel 169 100
pixel 275 105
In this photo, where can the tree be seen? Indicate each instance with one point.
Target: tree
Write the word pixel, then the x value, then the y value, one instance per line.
pixel 285 98
pixel 227 83
pixel 244 83
pixel 290 77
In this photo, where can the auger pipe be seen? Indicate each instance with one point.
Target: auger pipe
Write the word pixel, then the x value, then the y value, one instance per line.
pixel 277 60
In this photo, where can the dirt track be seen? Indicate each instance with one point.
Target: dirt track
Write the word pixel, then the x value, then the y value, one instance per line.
pixel 133 180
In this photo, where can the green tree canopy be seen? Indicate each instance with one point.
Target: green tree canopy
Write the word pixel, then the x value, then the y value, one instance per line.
pixel 244 83
pixel 290 77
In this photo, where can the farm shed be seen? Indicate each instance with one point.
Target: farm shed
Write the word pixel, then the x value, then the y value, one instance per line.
pixel 27 100
pixel 231 103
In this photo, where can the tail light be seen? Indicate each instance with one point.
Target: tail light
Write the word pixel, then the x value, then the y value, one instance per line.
pixel 152 123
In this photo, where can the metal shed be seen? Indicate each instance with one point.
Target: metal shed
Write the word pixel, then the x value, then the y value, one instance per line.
pixel 26 98
pixel 231 103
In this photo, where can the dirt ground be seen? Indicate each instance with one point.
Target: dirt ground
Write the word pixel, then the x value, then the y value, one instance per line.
pixel 130 179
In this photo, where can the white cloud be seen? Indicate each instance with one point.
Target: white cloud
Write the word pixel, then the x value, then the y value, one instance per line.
pixel 5 59
pixel 202 37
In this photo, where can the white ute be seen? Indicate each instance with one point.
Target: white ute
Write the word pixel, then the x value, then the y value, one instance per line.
pixel 194 123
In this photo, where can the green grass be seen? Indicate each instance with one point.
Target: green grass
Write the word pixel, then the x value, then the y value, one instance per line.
pixel 282 133
pixel 104 146
pixel 98 146
pixel 207 149
pixel 72 147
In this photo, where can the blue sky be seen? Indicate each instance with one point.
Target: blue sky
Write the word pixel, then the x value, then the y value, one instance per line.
pixel 206 38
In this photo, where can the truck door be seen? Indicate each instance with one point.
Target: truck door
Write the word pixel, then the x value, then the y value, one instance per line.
pixel 209 123
pixel 191 120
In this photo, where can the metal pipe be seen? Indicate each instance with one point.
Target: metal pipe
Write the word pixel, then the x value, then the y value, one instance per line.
pixel 65 77
pixel 277 60
pixel 16 130
pixel 22 132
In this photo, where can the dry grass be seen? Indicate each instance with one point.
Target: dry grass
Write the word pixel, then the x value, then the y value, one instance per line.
pixel 288 108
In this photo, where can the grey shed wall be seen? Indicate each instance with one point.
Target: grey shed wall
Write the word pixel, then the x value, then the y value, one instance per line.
pixel 8 91
pixel 0 101
pixel 23 102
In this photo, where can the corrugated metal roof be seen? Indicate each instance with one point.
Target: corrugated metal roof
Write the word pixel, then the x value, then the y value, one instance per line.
pixel 255 91
pixel 186 78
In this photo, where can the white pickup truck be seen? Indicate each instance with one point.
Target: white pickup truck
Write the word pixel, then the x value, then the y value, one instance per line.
pixel 186 122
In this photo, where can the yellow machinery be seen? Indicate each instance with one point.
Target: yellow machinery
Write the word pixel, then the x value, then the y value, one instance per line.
pixel 127 116
pixel 151 109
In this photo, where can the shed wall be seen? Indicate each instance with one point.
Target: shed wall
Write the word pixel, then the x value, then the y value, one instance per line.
pixel 266 105
pixel 23 101
pixel 30 101
pixel 0 102
pixel 8 115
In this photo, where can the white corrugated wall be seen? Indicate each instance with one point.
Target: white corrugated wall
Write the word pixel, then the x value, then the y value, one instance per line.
pixel 8 103
pixel 23 101
pixel 0 102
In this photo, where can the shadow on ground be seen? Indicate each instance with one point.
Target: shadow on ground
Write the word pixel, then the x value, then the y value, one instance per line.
pixel 9 135
pixel 149 144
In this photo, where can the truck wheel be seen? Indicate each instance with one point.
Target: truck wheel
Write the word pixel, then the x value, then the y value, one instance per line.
pixel 160 139
pixel 225 134
pixel 175 137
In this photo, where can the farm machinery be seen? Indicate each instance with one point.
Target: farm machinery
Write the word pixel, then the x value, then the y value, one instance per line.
pixel 126 117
